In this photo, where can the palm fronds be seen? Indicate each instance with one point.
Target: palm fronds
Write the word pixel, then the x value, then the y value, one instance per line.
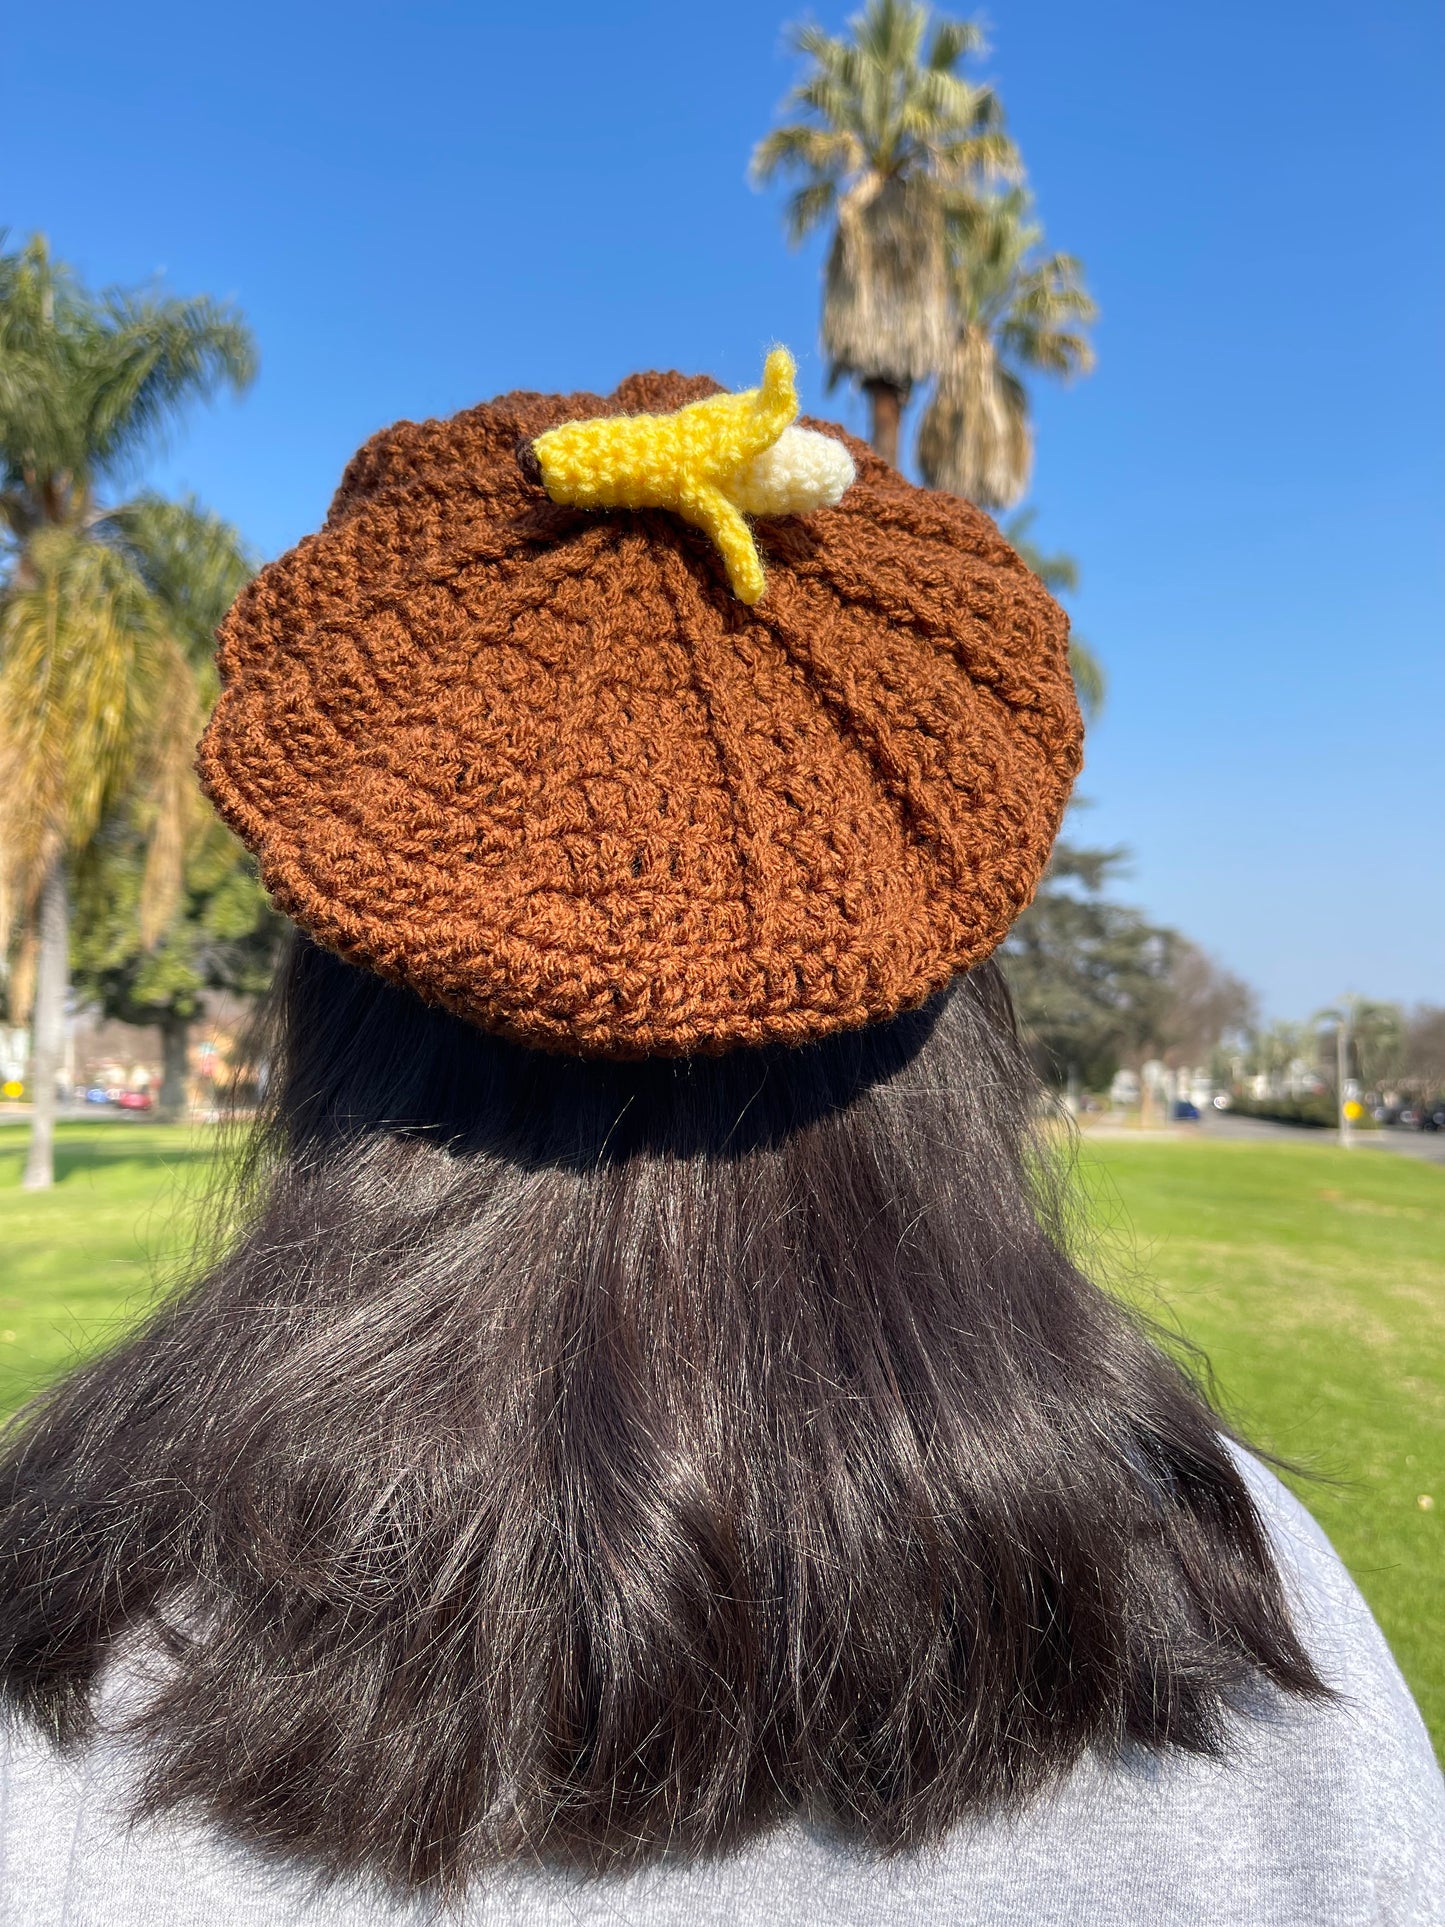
pixel 151 358
pixel 89 382
pixel 192 561
pixel 73 638
pixel 107 611
pixel 885 290
pixel 975 439
pixel 885 127
pixel 1014 312
pixel 1061 574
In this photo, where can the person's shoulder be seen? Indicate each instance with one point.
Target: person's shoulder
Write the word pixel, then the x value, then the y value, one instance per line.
pixel 1333 1618
pixel 1331 1610
pixel 1311 1566
pixel 1372 1728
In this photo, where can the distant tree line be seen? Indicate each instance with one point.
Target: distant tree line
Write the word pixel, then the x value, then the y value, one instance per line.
pixel 1387 1048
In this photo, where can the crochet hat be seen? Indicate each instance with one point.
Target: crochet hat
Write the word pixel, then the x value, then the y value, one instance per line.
pixel 544 727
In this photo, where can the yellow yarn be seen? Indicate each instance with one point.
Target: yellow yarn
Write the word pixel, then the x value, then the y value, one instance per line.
pixel 708 462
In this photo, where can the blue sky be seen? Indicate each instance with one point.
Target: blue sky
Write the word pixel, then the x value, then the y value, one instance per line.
pixel 419 206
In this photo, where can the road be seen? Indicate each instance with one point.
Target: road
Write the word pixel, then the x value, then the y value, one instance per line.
pixel 1429 1145
pixel 77 1114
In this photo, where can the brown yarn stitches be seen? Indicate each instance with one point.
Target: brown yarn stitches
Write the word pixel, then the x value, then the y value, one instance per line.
pixel 544 768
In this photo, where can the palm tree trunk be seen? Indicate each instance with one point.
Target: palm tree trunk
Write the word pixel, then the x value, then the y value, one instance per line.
pixel 887 405
pixel 47 1038
pixel 175 1065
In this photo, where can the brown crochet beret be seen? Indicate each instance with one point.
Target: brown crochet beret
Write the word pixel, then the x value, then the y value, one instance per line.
pixel 544 768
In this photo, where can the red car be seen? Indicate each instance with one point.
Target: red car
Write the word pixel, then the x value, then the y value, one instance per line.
pixel 135 1100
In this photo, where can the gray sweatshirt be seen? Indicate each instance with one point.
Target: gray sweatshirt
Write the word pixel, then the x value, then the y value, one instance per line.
pixel 1321 1816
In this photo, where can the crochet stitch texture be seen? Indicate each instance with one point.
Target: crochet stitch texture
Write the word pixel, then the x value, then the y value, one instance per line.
pixel 542 767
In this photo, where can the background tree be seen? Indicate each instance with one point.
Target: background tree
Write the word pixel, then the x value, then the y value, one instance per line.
pixel 1059 958
pixel 223 936
pixel 888 127
pixel 1059 574
pixel 1096 985
pixel 1375 1041
pixel 1207 1007
pixel 1090 977
pixel 1014 312
pixel 1275 1051
pixel 99 705
pixel 1423 1050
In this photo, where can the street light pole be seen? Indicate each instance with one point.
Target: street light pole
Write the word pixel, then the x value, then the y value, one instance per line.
pixel 1342 1073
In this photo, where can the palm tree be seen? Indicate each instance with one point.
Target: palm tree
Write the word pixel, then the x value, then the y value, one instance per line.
pixel 1060 575
pixel 1015 312
pixel 1372 1044
pixel 888 126
pixel 99 703
pixel 139 964
pixel 223 936
pixel 1274 1052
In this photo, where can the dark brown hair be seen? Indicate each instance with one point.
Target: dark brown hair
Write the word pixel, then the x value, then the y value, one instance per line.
pixel 588 1460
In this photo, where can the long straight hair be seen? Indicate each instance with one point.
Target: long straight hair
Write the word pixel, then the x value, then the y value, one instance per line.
pixel 587 1462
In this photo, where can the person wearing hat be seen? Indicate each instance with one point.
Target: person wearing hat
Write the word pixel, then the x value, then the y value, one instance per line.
pixel 645 1451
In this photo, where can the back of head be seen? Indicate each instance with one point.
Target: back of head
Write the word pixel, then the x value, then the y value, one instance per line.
pixel 594 1451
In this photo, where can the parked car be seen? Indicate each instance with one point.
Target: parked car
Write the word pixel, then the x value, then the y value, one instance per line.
pixel 97 1094
pixel 1185 1112
pixel 135 1100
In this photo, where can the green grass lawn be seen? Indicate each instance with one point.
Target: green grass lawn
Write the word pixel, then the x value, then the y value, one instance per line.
pixel 78 1263
pixel 1314 1279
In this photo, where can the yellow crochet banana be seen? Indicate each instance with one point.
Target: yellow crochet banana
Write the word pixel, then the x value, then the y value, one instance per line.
pixel 712 462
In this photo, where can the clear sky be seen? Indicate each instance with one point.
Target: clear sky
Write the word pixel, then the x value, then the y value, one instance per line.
pixel 421 205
